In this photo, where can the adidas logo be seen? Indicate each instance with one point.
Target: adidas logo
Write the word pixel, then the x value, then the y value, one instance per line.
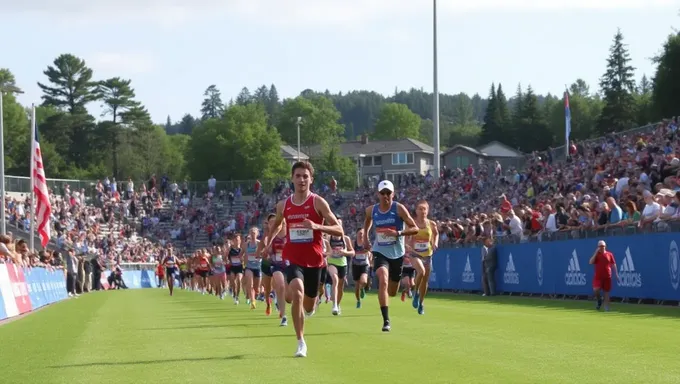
pixel 510 276
pixel 468 275
pixel 574 276
pixel 628 277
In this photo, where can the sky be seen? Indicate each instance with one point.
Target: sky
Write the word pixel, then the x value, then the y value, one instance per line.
pixel 172 50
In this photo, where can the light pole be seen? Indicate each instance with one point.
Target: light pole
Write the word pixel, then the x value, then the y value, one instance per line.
pixel 435 112
pixel 360 165
pixel 4 88
pixel 299 121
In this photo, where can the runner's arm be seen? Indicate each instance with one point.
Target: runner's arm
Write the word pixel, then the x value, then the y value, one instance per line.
pixel 411 227
pixel 368 223
pixel 349 248
pixel 334 228
pixel 435 235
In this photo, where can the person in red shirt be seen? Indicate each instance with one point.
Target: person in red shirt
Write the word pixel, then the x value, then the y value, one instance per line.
pixel 603 261
pixel 304 213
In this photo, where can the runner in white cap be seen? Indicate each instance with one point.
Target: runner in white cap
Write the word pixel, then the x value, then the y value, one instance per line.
pixel 389 218
pixel 603 261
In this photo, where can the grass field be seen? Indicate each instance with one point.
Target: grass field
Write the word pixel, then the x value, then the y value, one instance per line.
pixel 145 336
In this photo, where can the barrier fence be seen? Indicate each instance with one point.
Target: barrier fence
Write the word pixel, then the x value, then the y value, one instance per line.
pixel 648 266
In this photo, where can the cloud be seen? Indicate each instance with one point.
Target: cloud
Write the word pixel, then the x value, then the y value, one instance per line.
pixel 126 63
pixel 302 13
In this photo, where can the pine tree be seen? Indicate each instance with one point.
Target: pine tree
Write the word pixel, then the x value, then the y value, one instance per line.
pixel 618 87
pixel 490 129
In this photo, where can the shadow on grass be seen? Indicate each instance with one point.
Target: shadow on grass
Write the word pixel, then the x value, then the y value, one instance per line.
pixel 629 309
pixel 208 326
pixel 149 362
pixel 290 336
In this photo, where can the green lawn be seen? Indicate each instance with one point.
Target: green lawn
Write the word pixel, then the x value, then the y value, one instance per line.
pixel 145 336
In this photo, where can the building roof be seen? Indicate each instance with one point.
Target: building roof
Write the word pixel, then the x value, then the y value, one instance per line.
pixel 465 148
pixel 498 143
pixel 290 153
pixel 375 147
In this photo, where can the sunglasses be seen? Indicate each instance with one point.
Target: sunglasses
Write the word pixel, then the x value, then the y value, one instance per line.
pixel 385 193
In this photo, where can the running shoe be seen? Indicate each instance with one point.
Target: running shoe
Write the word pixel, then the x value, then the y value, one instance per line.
pixel 415 300
pixel 301 349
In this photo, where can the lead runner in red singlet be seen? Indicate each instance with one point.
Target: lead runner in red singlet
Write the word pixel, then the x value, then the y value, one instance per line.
pixel 304 213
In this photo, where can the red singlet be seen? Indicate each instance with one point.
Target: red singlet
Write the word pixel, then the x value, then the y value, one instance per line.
pixel 277 250
pixel 303 247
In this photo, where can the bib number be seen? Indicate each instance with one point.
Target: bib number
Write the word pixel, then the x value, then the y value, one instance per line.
pixel 299 234
pixel 383 238
pixel 252 258
pixel 336 253
pixel 278 256
pixel 421 246
pixel 360 256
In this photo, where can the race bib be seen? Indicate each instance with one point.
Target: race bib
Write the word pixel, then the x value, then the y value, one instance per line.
pixel 236 261
pixel 421 246
pixel 204 265
pixel 278 256
pixel 360 256
pixel 299 234
pixel 252 258
pixel 383 238
pixel 336 253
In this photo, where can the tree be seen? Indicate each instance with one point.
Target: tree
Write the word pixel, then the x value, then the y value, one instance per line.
pixel 244 97
pixel 212 106
pixel 332 163
pixel 618 87
pixel 319 121
pixel 579 88
pixel 396 122
pixel 6 78
pixel 71 84
pixel 644 113
pixel 237 147
pixel 491 130
pixel 118 98
pixel 666 82
pixel 532 130
pixel 187 124
pixel 16 132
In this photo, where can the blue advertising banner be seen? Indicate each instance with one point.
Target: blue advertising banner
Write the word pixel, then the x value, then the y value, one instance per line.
pixel 648 267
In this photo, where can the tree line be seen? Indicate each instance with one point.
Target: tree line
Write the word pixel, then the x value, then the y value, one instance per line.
pixel 240 139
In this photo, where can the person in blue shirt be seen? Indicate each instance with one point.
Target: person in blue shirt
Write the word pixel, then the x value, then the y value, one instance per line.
pixel 388 249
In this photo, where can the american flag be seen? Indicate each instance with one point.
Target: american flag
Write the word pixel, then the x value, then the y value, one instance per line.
pixel 43 210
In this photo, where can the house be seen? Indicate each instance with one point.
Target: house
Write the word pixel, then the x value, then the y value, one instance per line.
pixel 390 158
pixel 505 155
pixel 460 156
pixel 290 154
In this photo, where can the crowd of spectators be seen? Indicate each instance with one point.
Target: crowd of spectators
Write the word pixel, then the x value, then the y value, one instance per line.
pixel 622 182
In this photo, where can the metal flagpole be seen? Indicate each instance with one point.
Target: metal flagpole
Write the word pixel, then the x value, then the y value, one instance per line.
pixel 32 194
pixel 435 113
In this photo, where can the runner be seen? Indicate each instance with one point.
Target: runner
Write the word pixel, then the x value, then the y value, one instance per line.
pixel 183 272
pixel 236 267
pixel 390 218
pixel 160 272
pixel 203 270
pixel 170 263
pixel 423 244
pixel 304 213
pixel 279 265
pixel 253 273
pixel 360 263
pixel 408 275
pixel 219 273
pixel 324 279
pixel 267 271
pixel 341 248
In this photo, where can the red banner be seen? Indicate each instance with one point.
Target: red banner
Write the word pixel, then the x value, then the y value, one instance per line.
pixel 19 288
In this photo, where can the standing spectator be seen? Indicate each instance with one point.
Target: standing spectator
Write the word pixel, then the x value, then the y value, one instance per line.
pixel 71 272
pixel 211 184
pixel 489 264
pixel 333 184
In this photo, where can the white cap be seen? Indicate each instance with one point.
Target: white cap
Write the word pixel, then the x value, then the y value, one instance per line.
pixel 386 184
pixel 601 243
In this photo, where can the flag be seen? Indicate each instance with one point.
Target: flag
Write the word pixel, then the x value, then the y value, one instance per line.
pixel 567 118
pixel 42 208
